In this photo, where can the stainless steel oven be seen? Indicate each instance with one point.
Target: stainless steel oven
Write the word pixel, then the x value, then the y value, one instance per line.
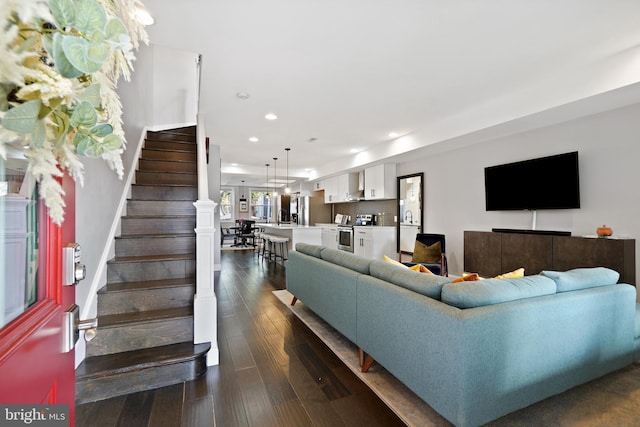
pixel 345 238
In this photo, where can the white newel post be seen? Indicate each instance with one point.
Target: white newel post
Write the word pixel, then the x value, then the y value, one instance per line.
pixel 205 303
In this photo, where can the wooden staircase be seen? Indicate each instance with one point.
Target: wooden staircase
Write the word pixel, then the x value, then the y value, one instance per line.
pixel 145 311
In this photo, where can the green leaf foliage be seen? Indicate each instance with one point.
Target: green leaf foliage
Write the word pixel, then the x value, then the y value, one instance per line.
pixel 60 60
pixel 102 130
pixel 76 50
pixel 111 142
pixel 62 125
pixel 22 118
pixel 89 16
pixel 64 13
pixel 92 95
pixel 83 142
pixel 115 29
pixel 97 50
pixel 39 134
pixel 84 115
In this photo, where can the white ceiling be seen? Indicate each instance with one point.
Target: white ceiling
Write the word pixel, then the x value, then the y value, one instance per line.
pixel 349 72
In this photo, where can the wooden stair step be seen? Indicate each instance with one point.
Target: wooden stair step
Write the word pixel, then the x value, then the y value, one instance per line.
pixel 130 331
pixel 117 320
pixel 157 225
pixel 164 192
pixel 184 166
pixel 102 377
pixel 155 244
pixel 160 207
pixel 127 297
pixel 160 154
pixel 150 267
pixel 170 145
pixel 179 178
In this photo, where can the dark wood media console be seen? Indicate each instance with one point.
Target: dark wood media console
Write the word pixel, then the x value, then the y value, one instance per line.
pixel 491 253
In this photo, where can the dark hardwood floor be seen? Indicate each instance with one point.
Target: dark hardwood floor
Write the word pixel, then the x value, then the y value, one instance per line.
pixel 273 370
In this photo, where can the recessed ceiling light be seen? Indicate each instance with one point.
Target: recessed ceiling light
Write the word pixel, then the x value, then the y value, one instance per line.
pixel 393 135
pixel 354 150
pixel 312 139
pixel 270 116
pixel 242 95
pixel 234 164
pixel 254 139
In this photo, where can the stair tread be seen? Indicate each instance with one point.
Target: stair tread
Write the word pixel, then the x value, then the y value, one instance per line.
pixel 147 285
pixel 146 258
pixel 163 185
pixel 156 216
pixel 168 160
pixel 112 320
pixel 171 172
pixel 155 236
pixel 145 358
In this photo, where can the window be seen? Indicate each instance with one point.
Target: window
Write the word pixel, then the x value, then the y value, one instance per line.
pixel 226 204
pixel 261 205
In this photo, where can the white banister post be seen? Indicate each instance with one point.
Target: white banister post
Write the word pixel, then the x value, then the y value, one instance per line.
pixel 205 302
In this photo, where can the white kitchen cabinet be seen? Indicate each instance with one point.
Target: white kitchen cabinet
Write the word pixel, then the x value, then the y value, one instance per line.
pixel 380 182
pixel 329 237
pixel 340 188
pixel 318 185
pixel 330 189
pixel 374 242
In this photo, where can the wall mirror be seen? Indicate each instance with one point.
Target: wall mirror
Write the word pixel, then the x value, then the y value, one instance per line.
pixel 410 218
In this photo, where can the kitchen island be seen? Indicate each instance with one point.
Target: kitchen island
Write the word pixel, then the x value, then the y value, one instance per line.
pixel 295 233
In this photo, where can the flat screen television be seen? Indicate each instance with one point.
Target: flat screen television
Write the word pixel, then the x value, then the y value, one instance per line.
pixel 551 182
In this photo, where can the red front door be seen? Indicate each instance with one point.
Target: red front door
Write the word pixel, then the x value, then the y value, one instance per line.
pixel 34 370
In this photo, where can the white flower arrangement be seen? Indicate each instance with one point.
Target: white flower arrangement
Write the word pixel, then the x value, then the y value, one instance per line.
pixel 60 61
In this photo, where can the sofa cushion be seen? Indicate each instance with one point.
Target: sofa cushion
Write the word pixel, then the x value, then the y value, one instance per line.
pixel 582 278
pixel 309 249
pixel 495 291
pixel 426 284
pixel 346 259
pixel 417 267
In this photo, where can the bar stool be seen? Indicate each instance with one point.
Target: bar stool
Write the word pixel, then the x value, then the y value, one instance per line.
pixel 266 245
pixel 283 243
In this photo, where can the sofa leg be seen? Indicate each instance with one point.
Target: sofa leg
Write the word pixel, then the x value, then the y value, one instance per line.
pixel 293 301
pixel 368 361
pixel 361 357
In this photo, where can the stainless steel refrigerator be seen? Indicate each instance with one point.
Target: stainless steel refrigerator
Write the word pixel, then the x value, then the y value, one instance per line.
pixel 308 210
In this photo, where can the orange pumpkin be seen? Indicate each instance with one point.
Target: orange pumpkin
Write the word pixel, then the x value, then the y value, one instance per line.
pixel 604 231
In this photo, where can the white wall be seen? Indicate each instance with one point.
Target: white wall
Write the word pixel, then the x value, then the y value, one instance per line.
pixel 609 173
pixel 175 87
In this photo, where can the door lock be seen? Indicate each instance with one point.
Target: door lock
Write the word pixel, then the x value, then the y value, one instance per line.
pixel 72 270
pixel 72 325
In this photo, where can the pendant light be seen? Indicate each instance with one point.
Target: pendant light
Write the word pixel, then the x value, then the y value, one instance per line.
pixel 268 198
pixel 287 189
pixel 275 176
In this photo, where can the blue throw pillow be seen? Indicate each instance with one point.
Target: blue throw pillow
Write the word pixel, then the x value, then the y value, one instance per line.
pixel 582 278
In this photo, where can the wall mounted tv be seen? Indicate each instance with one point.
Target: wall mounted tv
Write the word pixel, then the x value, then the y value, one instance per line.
pixel 544 183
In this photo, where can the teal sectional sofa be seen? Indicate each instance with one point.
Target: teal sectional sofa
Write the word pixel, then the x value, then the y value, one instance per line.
pixel 474 351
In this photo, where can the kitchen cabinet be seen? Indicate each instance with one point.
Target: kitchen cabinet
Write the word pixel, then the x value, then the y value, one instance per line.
pixel 374 242
pixel 329 237
pixel 330 189
pixel 380 182
pixel 340 188
pixel 318 185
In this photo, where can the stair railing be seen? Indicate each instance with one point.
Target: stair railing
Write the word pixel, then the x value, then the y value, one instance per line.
pixel 205 301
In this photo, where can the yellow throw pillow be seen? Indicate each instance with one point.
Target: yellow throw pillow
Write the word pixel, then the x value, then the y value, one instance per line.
pixel 470 277
pixel 393 261
pixel 519 272
pixel 429 254
pixel 418 267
